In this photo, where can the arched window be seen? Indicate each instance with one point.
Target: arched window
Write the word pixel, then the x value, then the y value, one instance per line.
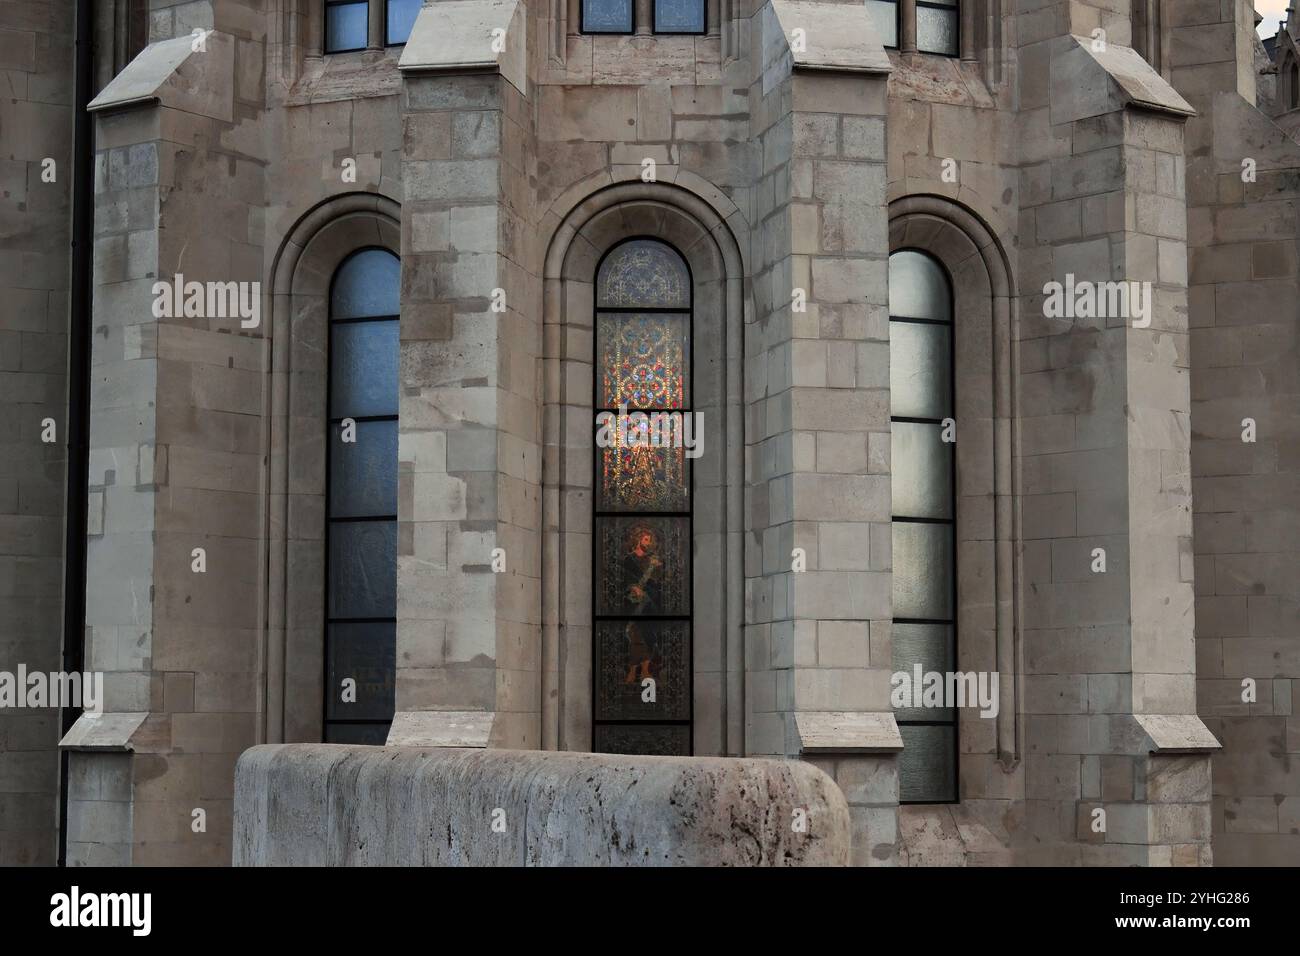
pixel 642 529
pixel 924 589
pixel 361 509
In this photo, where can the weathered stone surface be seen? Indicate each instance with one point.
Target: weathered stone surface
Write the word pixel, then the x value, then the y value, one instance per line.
pixel 320 804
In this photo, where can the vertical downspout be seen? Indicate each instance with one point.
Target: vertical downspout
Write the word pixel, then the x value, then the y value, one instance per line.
pixel 77 428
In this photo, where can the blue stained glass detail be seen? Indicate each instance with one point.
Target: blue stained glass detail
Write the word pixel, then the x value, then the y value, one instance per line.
pixel 363 369
pixel 401 18
pixel 679 16
pixel 368 284
pixel 346 27
pixel 606 16
pixel 363 473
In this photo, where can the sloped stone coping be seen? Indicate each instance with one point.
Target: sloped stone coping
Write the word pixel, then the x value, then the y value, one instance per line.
pixel 348 805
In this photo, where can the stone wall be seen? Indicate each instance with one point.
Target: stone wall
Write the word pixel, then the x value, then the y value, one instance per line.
pixel 36 72
pixel 326 805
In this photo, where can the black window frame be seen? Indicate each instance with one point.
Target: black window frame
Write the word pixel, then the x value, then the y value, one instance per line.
pixel 582 23
pixel 331 423
pixel 654 13
pixel 324 26
pixel 955 722
pixel 597 512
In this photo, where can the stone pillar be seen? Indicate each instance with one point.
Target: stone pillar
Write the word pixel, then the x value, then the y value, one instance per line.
pixel 468 633
pixel 1104 459
pixel 818 531
pixel 175 572
pixel 1242 192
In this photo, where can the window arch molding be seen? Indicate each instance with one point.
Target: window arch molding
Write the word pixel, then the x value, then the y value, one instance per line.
pixel 301 278
pixel 592 226
pixel 987 483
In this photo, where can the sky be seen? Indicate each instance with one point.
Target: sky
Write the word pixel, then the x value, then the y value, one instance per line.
pixel 1272 11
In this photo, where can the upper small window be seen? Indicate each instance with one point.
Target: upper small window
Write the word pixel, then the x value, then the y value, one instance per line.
pixel 936 27
pixel 679 16
pixel 884 18
pixel 399 18
pixel 606 16
pixel 346 25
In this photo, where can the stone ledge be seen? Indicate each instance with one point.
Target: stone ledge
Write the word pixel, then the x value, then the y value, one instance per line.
pixel 1087 82
pixel 441 728
pixel 173 73
pixel 1176 734
pixel 345 805
pixel 112 732
pixel 457 36
pixel 833 732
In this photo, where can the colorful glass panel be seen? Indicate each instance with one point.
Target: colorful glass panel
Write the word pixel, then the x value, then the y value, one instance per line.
pixel 643 566
pixel 643 359
pixel 635 476
pixel 643 274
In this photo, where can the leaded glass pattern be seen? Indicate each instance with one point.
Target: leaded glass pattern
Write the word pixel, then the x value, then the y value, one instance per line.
pixel 643 274
pixel 643 359
pixel 924 516
pixel 678 16
pixel 606 16
pixel 642 537
pixel 361 512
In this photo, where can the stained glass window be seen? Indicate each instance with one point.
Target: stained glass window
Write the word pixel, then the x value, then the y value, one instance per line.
pixel 883 15
pixel 642 531
pixel 937 26
pixel 361 526
pixel 399 19
pixel 924 576
pixel 679 16
pixel 606 16
pixel 346 25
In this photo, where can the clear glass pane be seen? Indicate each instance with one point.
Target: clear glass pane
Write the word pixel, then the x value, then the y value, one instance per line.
pixel 922 466
pixel 927 767
pixel 936 30
pixel 363 474
pixel 643 274
pixel 363 569
pixel 366 653
pixel 628 653
pixel 920 370
pixel 401 17
pixel 345 27
pixel 367 284
pixel 606 16
pixel 930 646
pixel 650 741
pixel 642 566
pixel 643 359
pixel 679 16
pixel 363 369
pixel 884 19
pixel 918 287
pixel 922 571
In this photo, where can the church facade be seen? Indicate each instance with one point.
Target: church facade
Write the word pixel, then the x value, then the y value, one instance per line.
pixel 906 387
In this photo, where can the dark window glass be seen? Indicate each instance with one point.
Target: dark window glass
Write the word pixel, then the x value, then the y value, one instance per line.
pixel 399 19
pixel 679 16
pixel 884 19
pixel 346 26
pixel 606 16
pixel 361 530
pixel 936 26
pixel 924 564
pixel 642 528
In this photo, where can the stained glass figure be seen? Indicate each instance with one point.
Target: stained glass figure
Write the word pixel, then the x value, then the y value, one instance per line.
pixel 642 566
pixel 643 359
pixel 643 274
pixel 630 653
pixel 640 477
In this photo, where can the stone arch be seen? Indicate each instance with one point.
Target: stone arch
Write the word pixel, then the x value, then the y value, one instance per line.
pixel 987 529
pixel 579 238
pixel 293 651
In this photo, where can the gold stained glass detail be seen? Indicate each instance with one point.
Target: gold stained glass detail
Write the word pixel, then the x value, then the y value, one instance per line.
pixel 636 476
pixel 643 359
pixel 643 274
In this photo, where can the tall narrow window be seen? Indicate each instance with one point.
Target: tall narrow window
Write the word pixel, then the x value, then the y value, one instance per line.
pixel 884 17
pixel 924 629
pixel 399 19
pixel 937 26
pixel 642 528
pixel 361 530
pixel 347 25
